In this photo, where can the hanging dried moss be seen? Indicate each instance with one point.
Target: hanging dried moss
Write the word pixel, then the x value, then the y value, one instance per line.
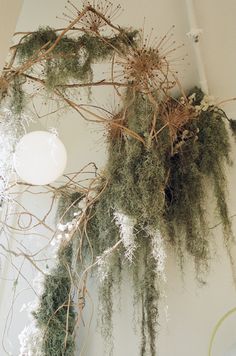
pixel 67 206
pixel 162 156
pixel 200 160
pixel 56 317
pixel 159 180
pixel 146 291
pixel 150 298
pixel 98 48
pixel 164 186
pixel 161 184
pixel 70 60
pixel 107 287
pixel 135 172
pixel 103 234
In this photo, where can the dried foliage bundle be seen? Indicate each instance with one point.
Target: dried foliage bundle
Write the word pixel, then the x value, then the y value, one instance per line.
pixel 163 153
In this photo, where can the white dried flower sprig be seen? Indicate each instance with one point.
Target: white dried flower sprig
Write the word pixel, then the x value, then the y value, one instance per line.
pixel 30 337
pixel 29 340
pixel 207 102
pixel 192 98
pixel 66 230
pixel 126 226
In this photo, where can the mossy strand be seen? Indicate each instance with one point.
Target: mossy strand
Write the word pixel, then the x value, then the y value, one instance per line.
pixel 56 316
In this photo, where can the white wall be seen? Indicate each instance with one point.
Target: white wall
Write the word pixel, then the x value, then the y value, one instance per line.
pixel 9 12
pixel 193 311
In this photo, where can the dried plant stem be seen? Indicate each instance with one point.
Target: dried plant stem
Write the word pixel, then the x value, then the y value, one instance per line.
pixel 99 119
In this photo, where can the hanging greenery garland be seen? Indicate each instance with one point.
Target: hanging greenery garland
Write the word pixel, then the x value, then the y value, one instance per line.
pixel 163 152
pixel 155 195
pixel 71 59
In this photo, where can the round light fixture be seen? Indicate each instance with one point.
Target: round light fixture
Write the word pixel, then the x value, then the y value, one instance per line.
pixel 40 158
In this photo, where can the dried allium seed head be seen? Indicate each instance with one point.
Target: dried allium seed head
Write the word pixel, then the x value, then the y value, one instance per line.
pixel 176 114
pixel 147 66
pixel 115 127
pixel 100 13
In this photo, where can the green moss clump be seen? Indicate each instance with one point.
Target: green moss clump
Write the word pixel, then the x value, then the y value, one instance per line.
pixel 32 43
pixel 136 178
pixel 70 60
pixel 136 174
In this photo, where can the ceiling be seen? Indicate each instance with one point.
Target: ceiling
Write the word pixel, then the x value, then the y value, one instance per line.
pixel 215 17
pixel 9 13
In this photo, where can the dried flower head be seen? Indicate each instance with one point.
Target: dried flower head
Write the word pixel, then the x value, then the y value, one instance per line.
pixel 208 102
pixel 100 13
pixel 115 126
pixel 146 66
pixel 175 114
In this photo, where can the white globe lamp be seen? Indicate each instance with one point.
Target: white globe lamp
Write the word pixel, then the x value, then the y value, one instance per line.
pixel 40 158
